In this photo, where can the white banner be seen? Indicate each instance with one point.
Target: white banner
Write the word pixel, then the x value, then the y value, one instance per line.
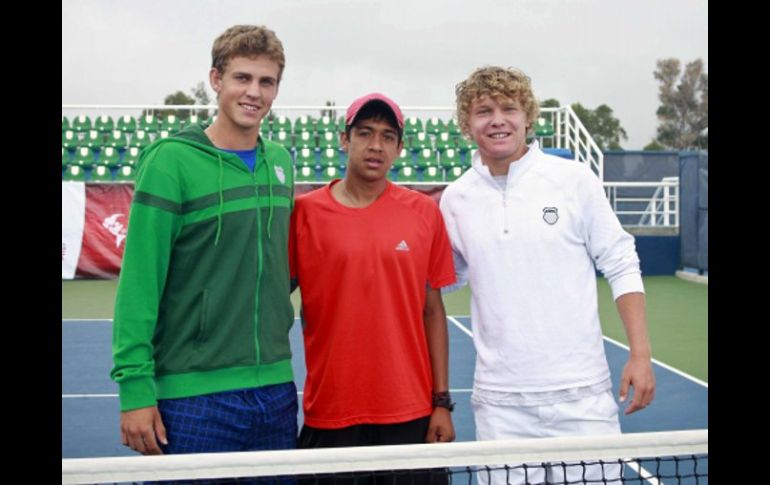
pixel 73 216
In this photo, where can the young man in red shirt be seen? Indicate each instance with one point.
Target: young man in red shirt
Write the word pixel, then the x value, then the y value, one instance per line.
pixel 370 258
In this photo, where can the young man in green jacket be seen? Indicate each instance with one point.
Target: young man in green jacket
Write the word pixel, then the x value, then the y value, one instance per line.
pixel 202 315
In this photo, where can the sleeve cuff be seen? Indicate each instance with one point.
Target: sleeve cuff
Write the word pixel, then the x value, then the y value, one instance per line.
pixel 137 393
pixel 627 283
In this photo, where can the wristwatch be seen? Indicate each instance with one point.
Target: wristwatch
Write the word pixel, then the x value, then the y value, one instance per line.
pixel 443 400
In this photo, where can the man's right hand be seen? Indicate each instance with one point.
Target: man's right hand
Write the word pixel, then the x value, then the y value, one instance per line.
pixel 139 429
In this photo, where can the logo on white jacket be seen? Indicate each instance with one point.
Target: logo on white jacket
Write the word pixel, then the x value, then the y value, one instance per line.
pixel 279 173
pixel 402 246
pixel 550 215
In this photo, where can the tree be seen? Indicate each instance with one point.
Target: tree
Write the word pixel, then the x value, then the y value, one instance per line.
pixel 683 113
pixel 604 128
pixel 653 146
pixel 199 96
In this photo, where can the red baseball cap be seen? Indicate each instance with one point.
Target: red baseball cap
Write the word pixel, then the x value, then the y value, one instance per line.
pixel 356 106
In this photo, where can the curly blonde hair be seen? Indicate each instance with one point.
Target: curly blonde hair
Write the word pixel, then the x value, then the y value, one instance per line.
pixel 495 82
pixel 247 41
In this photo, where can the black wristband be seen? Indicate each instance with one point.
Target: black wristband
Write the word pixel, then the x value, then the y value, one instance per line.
pixel 443 400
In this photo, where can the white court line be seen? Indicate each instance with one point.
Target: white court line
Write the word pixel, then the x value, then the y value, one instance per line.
pixel 460 325
pixel 665 366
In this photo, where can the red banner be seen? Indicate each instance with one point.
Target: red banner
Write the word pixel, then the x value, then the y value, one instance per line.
pixel 104 235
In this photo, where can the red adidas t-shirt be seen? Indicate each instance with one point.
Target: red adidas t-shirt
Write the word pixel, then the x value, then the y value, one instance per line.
pixel 363 276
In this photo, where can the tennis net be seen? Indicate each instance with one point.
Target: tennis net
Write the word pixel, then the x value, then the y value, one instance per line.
pixel 679 457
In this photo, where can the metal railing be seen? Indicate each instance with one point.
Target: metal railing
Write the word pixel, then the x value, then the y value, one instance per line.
pixel 648 204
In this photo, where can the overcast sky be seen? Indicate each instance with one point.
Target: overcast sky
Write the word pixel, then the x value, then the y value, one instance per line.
pixel 587 51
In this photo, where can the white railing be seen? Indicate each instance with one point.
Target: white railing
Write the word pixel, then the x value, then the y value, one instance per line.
pixel 570 133
pixel 649 204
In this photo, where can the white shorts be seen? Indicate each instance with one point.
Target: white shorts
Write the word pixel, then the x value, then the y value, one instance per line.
pixel 593 415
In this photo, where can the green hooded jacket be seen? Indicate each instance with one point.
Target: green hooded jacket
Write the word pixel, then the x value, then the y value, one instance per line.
pixel 203 298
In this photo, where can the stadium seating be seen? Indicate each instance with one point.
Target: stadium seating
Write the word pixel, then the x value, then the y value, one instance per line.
pixel 126 124
pixel 81 123
pixel 101 173
pixel 104 124
pixel 109 157
pixel 116 139
pixel 435 125
pixel 84 157
pixel 74 173
pixel 131 157
pixel 432 174
pixel 305 158
pixel 328 139
pixel 125 173
pixel 148 123
pixel 305 174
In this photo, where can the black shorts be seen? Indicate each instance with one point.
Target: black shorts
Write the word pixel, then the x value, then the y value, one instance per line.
pixel 410 432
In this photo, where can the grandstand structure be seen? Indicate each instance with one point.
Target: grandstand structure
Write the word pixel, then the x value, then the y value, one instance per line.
pixel 102 143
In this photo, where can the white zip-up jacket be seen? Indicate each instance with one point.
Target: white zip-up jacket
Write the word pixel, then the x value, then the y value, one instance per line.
pixel 530 254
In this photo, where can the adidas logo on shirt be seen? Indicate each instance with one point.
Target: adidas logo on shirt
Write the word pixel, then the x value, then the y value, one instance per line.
pixel 402 246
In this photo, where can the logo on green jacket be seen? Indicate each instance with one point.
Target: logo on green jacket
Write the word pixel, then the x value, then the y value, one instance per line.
pixel 279 173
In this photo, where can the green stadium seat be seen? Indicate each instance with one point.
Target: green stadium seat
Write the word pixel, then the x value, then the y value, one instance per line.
pixel 325 125
pixel 305 158
pixel 65 123
pixel 283 138
pixel 171 123
pixel 194 119
pixel 131 157
pixel 426 158
pixel 330 173
pixel 84 157
pixel 454 173
pixel 406 174
pixel 65 157
pixel 148 123
pixel 69 139
pixel 126 173
pixel 450 158
pixel 104 124
pixel 328 139
pixel 265 128
pixel 444 140
pixel 100 173
pixel 432 174
pixel 109 157
pixel 304 123
pixel 544 128
pixel 420 141
pixel 435 125
pixel 94 139
pixel 465 145
pixel 140 139
pixel 116 139
pixel 81 123
pixel 74 173
pixel 404 159
pixel 453 128
pixel 163 134
pixel 305 174
pixel 305 139
pixel 281 123
pixel 126 124
pixel 413 125
pixel 330 158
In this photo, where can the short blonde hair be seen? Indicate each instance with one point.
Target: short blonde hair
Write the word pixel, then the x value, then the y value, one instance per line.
pixel 495 82
pixel 247 41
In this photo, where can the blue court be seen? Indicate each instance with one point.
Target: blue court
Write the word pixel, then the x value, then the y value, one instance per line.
pixel 90 411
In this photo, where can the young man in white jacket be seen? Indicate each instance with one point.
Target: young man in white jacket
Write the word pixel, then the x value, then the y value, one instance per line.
pixel 528 230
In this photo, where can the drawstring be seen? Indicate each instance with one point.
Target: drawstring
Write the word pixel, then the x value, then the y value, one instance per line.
pixel 270 198
pixel 221 200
